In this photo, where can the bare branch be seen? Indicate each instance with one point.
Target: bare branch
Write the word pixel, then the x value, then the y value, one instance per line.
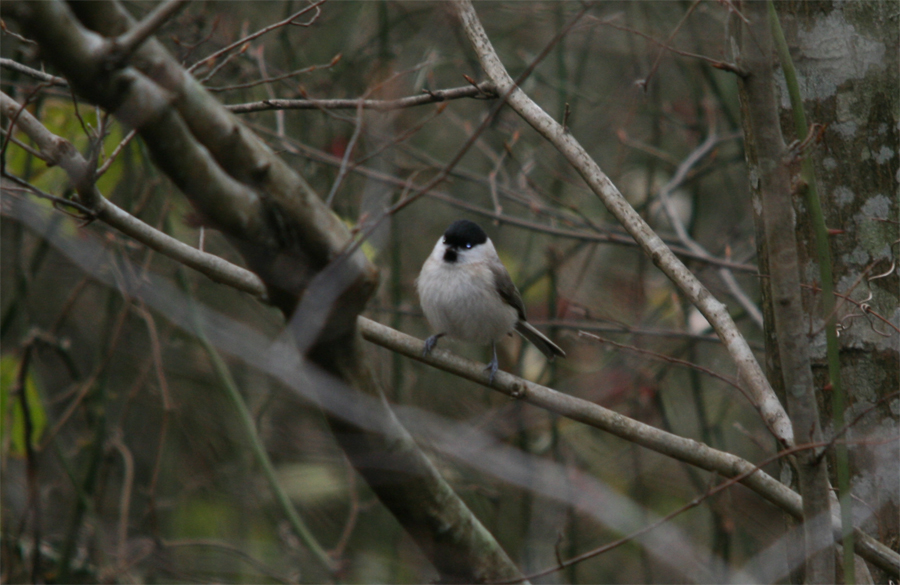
pixel 596 235
pixel 716 313
pixel 731 382
pixel 61 152
pixel 293 242
pixel 348 152
pixel 287 21
pixel 101 170
pixel 268 80
pixel 723 65
pixel 484 90
pixel 125 44
pixel 592 414
pixel 681 173
pixel 33 73
pixel 57 201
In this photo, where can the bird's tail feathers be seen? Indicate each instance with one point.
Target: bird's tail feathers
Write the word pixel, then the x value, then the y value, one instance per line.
pixel 540 341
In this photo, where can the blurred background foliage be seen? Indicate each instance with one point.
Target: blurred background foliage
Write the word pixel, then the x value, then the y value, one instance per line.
pixel 145 474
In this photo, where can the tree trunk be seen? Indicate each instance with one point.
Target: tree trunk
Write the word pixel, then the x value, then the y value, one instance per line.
pixel 846 62
pixel 767 159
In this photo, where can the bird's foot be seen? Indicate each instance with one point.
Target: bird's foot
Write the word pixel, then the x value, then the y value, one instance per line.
pixel 430 343
pixel 493 366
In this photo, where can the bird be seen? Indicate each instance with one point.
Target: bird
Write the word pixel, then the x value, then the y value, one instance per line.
pixel 467 294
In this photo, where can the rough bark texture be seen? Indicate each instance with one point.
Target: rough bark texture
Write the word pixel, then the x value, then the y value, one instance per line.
pixel 767 161
pixel 847 64
pixel 846 60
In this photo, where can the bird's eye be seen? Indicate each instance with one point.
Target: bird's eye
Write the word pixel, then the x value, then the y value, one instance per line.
pixel 468 246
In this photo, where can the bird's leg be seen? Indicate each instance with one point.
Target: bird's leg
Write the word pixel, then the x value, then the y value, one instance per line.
pixel 431 342
pixel 492 367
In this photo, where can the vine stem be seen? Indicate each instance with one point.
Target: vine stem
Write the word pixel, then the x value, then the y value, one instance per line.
pixel 823 250
pixel 259 451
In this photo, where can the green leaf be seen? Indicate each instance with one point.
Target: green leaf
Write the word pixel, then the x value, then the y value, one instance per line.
pixel 14 422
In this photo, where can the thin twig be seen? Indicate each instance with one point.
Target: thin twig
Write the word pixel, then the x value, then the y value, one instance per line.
pixel 88 213
pixel 167 406
pixel 191 46
pixel 599 234
pixel 19 391
pixel 853 422
pixel 250 84
pixel 481 91
pixel 115 153
pixel 33 152
pixel 13 118
pixel 287 21
pixel 122 47
pixel 492 176
pixel 125 498
pixel 681 173
pixel 486 121
pixel 251 434
pixel 699 499
pixel 238 552
pixel 770 408
pixel 212 72
pixel 723 65
pixel 33 73
pixel 400 138
pixel 352 515
pixel 264 74
pixel 730 381
pixel 643 83
pixel 647 148
pixel 348 152
pixel 15 35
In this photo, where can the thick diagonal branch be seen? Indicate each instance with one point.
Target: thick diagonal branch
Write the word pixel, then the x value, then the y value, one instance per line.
pixel 716 313
pixel 287 236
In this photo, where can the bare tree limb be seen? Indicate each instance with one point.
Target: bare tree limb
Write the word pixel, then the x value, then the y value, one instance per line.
pixel 33 73
pixel 584 235
pixel 716 313
pixel 290 239
pixel 690 243
pixel 484 90
pixel 60 152
pixel 589 413
pixel 125 44
pixel 287 21
pixel 267 81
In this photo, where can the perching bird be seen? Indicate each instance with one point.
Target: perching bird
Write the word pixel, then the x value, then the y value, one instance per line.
pixel 467 294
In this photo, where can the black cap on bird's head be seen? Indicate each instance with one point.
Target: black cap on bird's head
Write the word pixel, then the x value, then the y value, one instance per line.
pixel 463 233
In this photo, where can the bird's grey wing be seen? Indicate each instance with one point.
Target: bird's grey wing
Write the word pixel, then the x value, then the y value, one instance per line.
pixel 509 293
pixel 540 341
pixel 507 290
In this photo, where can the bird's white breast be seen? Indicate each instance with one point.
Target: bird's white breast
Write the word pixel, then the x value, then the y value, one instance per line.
pixel 460 299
